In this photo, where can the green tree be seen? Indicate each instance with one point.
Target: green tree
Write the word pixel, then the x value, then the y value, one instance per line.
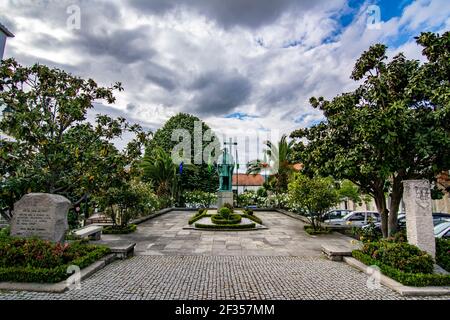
pixel 314 195
pixel 159 169
pixel 52 147
pixel 394 127
pixel 195 177
pixel 279 161
pixel 349 191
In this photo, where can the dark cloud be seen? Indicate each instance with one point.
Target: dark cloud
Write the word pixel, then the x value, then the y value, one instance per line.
pixel 219 93
pixel 161 76
pixel 229 13
pixel 126 46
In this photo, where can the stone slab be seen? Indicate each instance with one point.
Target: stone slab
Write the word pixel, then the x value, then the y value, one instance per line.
pixel 41 215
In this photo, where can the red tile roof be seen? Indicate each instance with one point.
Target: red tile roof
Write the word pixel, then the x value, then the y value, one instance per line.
pixel 248 180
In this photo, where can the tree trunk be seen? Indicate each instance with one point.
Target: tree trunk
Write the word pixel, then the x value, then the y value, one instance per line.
pixel 380 201
pixel 396 198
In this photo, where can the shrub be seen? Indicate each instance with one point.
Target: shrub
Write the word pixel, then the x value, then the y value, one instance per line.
pixel 198 216
pixel 225 212
pixel 229 206
pixel 368 234
pixel 120 229
pixel 443 253
pixel 248 212
pixel 253 218
pixel 225 227
pixel 35 260
pixel 232 219
pixel 201 211
pixel 401 256
pixel 408 279
pixel 311 231
pixel 5 232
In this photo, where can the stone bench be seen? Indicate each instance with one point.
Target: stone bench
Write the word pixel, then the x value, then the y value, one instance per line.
pixel 336 253
pixel 122 250
pixel 93 232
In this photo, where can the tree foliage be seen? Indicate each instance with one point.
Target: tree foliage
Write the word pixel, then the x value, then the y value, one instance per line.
pixel 278 161
pixel 52 147
pixel 314 195
pixel 195 177
pixel 395 126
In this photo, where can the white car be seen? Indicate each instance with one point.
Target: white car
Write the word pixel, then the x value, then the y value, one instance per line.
pixel 442 230
pixel 356 218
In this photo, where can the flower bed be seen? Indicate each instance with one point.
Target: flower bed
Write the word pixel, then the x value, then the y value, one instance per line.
pixel 226 226
pixel 34 260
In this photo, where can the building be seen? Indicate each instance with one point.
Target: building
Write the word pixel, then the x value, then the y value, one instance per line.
pixel 247 182
pixel 4 34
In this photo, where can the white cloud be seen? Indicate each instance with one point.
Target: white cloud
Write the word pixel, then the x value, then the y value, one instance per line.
pixel 163 51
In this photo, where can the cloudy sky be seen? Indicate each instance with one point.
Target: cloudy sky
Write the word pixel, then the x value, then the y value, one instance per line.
pixel 245 67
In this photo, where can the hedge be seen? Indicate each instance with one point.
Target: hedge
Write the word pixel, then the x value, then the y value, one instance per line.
pixel 233 219
pixel 225 226
pixel 443 253
pixel 408 279
pixel 119 229
pixel 198 217
pixel 253 218
pixel 53 275
pixel 310 230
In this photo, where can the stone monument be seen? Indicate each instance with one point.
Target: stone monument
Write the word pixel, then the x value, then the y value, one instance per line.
pixel 225 168
pixel 419 218
pixel 41 215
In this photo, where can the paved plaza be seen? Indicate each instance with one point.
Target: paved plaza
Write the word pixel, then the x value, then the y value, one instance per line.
pixel 282 262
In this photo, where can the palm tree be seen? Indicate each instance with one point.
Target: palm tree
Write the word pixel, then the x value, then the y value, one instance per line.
pixel 280 163
pixel 159 169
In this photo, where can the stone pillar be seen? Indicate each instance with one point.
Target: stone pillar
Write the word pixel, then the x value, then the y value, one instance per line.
pixel 224 197
pixel 419 218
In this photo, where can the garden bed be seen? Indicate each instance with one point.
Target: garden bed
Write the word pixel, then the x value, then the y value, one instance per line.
pixel 310 230
pixel 405 278
pixel 119 229
pixel 38 261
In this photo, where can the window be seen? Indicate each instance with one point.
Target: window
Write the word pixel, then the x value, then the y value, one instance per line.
pixel 357 217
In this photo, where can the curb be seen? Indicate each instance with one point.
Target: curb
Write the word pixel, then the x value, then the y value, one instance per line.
pixel 62 286
pixel 397 286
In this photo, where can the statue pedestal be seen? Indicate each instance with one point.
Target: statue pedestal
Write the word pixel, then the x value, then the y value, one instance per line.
pixel 224 197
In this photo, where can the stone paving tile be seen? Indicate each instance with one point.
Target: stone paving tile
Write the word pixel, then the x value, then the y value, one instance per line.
pixel 223 277
pixel 282 262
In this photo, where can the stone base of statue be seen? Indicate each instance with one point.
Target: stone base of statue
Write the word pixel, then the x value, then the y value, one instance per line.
pixel 224 197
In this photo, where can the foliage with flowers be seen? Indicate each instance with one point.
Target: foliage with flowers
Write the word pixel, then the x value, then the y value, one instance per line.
pixel 35 260
pixel 199 199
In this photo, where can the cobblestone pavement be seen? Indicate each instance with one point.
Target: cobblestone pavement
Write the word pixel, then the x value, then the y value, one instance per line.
pixel 222 277
pixel 285 237
pixel 282 262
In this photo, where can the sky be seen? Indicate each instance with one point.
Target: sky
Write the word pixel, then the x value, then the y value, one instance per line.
pixel 246 67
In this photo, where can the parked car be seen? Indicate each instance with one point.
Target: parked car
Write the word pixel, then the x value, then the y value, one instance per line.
pixel 335 214
pixel 356 218
pixel 442 230
pixel 439 217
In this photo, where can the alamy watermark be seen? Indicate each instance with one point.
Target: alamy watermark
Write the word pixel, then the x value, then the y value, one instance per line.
pixel 374 17
pixel 74 281
pixel 374 280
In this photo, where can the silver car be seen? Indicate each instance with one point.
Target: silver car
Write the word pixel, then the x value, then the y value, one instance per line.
pixel 356 218
pixel 442 230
